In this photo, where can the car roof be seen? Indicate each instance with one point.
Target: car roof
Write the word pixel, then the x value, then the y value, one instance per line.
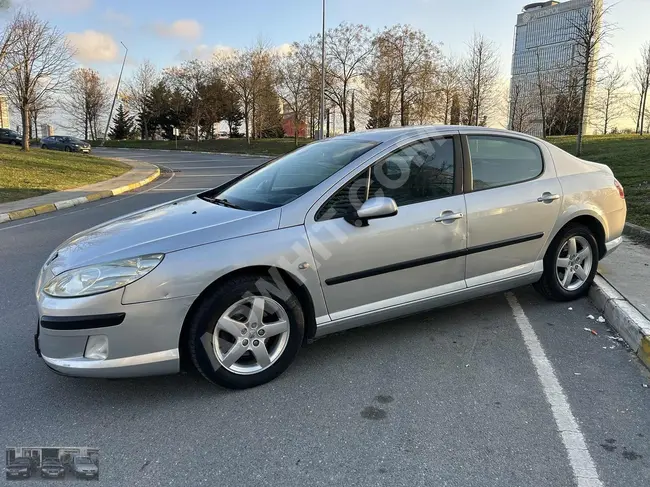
pixel 391 133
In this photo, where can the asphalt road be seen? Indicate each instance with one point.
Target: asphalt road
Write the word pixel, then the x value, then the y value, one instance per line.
pixel 454 397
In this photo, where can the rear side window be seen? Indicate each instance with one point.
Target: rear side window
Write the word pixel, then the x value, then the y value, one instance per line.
pixel 500 161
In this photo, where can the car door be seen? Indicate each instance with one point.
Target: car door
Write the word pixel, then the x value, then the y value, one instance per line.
pixel 3 136
pixel 513 199
pixel 413 255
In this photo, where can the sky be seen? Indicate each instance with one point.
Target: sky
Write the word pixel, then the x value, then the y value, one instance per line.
pixel 169 31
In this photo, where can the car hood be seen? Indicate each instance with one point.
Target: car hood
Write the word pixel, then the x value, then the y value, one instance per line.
pixel 177 225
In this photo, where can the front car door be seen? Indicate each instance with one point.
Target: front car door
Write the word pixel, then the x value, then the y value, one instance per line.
pixel 513 199
pixel 412 256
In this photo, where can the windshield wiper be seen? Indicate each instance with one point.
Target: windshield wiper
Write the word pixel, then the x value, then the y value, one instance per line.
pixel 223 202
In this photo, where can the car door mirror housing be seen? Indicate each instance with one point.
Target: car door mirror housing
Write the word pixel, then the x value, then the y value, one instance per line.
pixel 372 209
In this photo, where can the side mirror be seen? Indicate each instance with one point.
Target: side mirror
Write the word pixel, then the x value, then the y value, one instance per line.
pixel 372 209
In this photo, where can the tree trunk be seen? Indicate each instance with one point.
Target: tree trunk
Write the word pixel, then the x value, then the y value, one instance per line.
pixel 254 122
pixel 583 102
pixel 295 129
pixel 607 102
pixel 24 113
pixel 35 125
pixel 645 97
pixel 246 122
pixel 402 117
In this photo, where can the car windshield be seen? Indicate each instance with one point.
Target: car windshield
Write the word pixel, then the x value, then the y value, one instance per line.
pixel 12 133
pixel 287 178
pixel 74 140
pixel 83 460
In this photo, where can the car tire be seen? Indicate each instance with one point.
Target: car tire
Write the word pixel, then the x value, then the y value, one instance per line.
pixel 234 299
pixel 13 142
pixel 67 149
pixel 552 284
pixel 44 147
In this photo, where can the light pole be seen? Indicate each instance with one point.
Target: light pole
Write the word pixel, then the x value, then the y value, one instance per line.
pixel 322 79
pixel 117 88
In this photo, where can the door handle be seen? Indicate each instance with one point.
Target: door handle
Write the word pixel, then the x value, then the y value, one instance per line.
pixel 448 217
pixel 548 197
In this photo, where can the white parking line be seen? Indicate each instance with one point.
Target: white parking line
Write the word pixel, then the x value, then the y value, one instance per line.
pixel 584 470
pixel 208 167
pixel 179 189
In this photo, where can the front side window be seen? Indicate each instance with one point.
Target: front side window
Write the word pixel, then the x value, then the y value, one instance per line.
pixel 289 177
pixel 500 161
pixel 419 172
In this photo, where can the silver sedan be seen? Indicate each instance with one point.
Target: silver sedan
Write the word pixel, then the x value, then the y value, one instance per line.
pixel 344 232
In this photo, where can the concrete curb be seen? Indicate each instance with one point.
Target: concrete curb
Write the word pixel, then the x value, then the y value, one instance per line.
pixel 623 317
pixel 637 232
pixel 60 205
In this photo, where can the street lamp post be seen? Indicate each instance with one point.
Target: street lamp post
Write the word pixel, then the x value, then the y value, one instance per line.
pixel 322 79
pixel 117 88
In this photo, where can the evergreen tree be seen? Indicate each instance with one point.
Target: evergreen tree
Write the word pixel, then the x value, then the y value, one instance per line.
pixel 122 124
pixel 454 115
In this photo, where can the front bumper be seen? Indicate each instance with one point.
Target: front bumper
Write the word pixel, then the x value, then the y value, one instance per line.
pixel 52 475
pixel 145 342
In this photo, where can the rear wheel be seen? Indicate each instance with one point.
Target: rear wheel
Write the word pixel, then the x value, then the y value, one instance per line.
pixel 241 337
pixel 570 264
pixel 13 142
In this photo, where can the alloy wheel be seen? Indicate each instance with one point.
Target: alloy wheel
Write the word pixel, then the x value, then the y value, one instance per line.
pixel 251 335
pixel 574 262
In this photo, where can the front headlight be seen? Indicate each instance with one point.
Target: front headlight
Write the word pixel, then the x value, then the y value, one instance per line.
pixel 95 279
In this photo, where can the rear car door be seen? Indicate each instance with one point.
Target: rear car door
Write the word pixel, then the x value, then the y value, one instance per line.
pixel 416 254
pixel 513 199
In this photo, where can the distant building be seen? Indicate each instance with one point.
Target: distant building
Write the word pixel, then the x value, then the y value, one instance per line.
pixel 46 130
pixel 544 52
pixel 4 113
pixel 289 125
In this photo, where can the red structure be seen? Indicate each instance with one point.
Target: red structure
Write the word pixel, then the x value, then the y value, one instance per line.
pixel 289 126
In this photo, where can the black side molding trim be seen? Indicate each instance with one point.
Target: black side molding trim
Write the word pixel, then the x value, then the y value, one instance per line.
pixel 432 259
pixel 81 322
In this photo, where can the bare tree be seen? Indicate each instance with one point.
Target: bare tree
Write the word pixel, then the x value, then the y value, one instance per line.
pixel 42 107
pixel 608 101
pixel 138 91
pixel 38 61
pixel 86 99
pixel 522 108
pixel 241 78
pixel 641 79
pixel 449 83
pixel 415 60
pixel 346 48
pixel 7 41
pixel 293 84
pixel 588 31
pixel 479 79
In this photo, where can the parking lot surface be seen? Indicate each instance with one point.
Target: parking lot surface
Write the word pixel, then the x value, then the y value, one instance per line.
pixel 479 394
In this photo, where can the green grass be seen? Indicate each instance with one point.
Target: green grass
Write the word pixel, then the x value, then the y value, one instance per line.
pixel 629 158
pixel 37 172
pixel 270 147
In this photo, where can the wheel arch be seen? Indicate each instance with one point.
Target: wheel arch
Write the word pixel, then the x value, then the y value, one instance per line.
pixel 291 281
pixel 594 224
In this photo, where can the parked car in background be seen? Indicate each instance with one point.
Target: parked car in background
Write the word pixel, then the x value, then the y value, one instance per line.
pixel 10 137
pixel 65 143
pixel 344 232
pixel 52 468
pixel 21 467
pixel 84 468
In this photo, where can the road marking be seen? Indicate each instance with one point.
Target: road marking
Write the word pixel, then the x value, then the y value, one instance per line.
pixel 204 175
pixel 208 167
pixel 584 470
pixel 181 189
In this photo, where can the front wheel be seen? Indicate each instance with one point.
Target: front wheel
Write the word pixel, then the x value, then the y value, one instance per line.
pixel 44 147
pixel 67 149
pixel 570 264
pixel 247 332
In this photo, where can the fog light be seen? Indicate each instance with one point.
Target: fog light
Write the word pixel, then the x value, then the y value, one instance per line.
pixel 97 347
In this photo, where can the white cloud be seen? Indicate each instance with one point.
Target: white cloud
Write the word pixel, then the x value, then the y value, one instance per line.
pixel 184 29
pixel 283 49
pixel 93 46
pixel 203 52
pixel 118 18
